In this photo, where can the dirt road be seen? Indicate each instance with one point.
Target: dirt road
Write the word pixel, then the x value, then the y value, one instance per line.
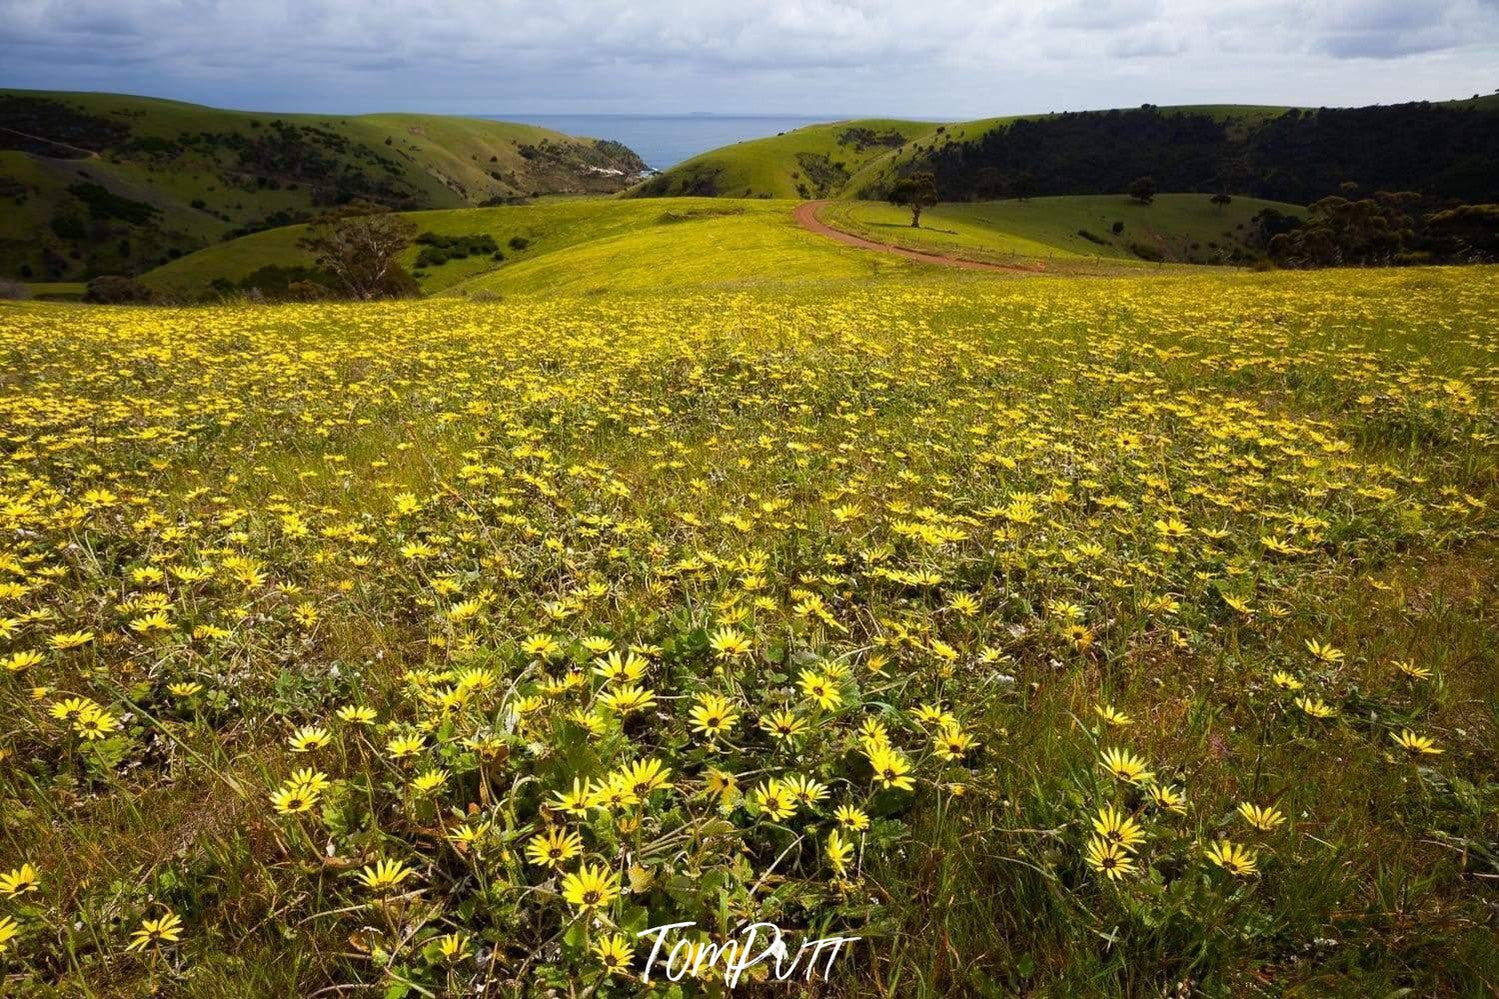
pixel 806 217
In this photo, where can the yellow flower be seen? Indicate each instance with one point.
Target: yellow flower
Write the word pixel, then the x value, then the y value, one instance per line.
pixel 71 708
pixel 429 780
pixel 775 799
pixel 1412 670
pixel 453 946
pixel 821 688
pixel 1115 827
pixel 615 953
pixel 164 929
pixel 1324 652
pixel 1416 743
pixel 644 776
pixel 18 661
pixel 1112 716
pixel 890 768
pixel 554 847
pixel 384 875
pixel 952 743
pixel 356 714
pixel 591 887
pixel 784 725
pixel 19 881
pixel 1285 681
pixel 70 640
pixel 1126 766
pixel 1236 859
pixel 402 746
pixel 1316 707
pixel 729 643
pixel 627 698
pixel 8 932
pixel 713 715
pixel 1263 819
pixel 308 738
pixel 851 818
pixel 95 723
pixel 1169 797
pixel 839 851
pixel 1109 859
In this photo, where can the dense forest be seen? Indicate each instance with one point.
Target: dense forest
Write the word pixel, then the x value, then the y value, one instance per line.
pixel 1448 151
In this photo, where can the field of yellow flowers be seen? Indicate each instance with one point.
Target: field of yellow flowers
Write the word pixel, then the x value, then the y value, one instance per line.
pixel 1080 637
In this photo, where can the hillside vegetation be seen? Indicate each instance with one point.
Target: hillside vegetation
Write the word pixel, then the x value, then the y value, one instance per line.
pixel 1173 228
pixel 555 244
pixel 104 183
pixel 1446 150
pixel 816 161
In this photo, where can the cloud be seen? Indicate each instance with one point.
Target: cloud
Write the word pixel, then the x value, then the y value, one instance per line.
pixel 1391 29
pixel 937 58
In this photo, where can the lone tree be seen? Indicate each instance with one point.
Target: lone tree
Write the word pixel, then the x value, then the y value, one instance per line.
pixel 1143 190
pixel 1220 199
pixel 916 191
pixel 358 245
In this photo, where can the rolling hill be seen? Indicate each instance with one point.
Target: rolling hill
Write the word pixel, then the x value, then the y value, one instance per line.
pixel 572 244
pixel 554 245
pixel 1447 150
pixel 105 183
pixel 816 161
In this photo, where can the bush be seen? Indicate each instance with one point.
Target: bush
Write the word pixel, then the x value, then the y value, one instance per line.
pixel 1116 228
pixel 519 242
pixel 1147 252
pixel 438 250
pixel 116 289
pixel 1092 238
pixel 13 289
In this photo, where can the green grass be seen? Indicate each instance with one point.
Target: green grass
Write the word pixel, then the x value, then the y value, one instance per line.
pixel 578 243
pixel 1179 227
pixel 60 291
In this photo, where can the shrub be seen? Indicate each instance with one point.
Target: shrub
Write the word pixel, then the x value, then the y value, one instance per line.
pixel 1092 238
pixel 116 289
pixel 13 289
pixel 1147 252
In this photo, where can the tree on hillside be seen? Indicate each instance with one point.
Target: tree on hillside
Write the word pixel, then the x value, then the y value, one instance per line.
pixel 1023 186
pixel 358 245
pixel 915 191
pixel 1143 190
pixel 1220 199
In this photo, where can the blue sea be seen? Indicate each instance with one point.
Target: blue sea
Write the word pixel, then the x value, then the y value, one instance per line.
pixel 664 140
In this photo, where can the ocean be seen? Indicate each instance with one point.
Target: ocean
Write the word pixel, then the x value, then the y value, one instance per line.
pixel 664 140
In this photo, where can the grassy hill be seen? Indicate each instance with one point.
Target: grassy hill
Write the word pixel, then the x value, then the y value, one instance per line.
pixel 105 183
pixel 1447 150
pixel 875 177
pixel 1179 228
pixel 836 159
pixel 562 243
pixel 816 161
pixel 568 244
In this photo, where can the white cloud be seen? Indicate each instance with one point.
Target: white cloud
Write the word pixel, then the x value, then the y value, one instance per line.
pixel 937 58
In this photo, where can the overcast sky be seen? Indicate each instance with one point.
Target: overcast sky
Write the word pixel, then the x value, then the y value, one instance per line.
pixel 921 58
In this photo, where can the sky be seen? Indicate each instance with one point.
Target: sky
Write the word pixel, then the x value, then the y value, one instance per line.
pixel 944 59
